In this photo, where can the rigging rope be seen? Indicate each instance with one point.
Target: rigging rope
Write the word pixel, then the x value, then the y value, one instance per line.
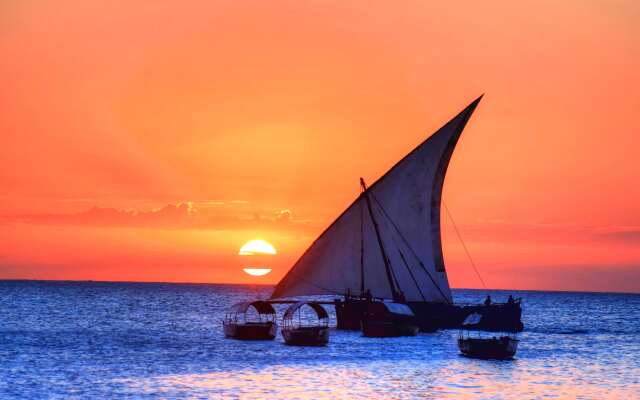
pixel 393 272
pixel 415 281
pixel 455 227
pixel 315 285
pixel 404 261
pixel 406 242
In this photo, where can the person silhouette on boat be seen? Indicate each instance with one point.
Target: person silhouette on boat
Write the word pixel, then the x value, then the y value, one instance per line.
pixel 510 300
pixel 487 301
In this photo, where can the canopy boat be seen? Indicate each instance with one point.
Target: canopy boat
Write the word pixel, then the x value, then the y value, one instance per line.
pixel 387 244
pixel 387 319
pixel 241 323
pixel 476 343
pixel 297 331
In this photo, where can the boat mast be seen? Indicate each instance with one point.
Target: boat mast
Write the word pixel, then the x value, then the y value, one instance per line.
pixel 362 291
pixel 387 265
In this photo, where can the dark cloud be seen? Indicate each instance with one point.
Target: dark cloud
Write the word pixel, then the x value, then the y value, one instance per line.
pixel 582 277
pixel 172 216
pixel 621 235
pixel 284 215
pixel 178 215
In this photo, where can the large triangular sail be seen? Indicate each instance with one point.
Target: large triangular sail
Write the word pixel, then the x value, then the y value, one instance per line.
pixel 405 202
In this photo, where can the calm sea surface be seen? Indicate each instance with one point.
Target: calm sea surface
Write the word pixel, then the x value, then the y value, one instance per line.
pixel 97 340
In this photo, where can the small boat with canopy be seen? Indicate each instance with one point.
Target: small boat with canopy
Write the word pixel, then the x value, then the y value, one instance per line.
pixel 301 329
pixel 387 319
pixel 476 342
pixel 250 321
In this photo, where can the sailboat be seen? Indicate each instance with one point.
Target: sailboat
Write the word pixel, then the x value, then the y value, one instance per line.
pixel 387 246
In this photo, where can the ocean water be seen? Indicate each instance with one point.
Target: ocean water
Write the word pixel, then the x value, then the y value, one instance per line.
pixel 140 340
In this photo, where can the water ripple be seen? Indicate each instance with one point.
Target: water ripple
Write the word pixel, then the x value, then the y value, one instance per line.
pixel 99 340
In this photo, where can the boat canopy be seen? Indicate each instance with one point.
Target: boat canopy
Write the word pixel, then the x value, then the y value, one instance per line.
pixel 262 307
pixel 472 319
pixel 399 308
pixel 381 307
pixel 398 214
pixel 487 321
pixel 321 313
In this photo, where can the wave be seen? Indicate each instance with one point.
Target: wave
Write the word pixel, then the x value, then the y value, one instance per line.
pixel 560 331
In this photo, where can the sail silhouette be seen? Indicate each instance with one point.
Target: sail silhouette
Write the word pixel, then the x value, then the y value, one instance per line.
pixel 405 204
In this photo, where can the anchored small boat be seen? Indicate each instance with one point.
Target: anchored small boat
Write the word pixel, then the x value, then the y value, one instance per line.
pixel 386 319
pixel 299 331
pixel 476 343
pixel 250 321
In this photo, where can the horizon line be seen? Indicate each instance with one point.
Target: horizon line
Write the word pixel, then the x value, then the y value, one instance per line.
pixel 274 284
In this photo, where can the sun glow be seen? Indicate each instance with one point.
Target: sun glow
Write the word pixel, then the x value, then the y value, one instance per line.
pixel 257 246
pixel 257 271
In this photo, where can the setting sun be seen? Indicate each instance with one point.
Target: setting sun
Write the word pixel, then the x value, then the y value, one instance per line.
pixel 257 271
pixel 258 252
pixel 257 246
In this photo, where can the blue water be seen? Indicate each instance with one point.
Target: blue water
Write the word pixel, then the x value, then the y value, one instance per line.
pixel 97 340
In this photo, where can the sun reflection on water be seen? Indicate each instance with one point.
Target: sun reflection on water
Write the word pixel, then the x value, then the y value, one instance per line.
pixel 462 379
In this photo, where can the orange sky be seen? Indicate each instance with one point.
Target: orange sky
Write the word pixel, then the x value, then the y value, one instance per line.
pixel 256 119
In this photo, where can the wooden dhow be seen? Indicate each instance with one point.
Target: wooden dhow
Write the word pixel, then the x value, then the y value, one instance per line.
pixel 387 245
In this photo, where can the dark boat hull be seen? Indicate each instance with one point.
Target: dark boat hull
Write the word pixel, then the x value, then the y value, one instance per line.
pixel 349 314
pixel 250 331
pixel 433 316
pixel 498 349
pixel 506 317
pixel 377 328
pixel 306 336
